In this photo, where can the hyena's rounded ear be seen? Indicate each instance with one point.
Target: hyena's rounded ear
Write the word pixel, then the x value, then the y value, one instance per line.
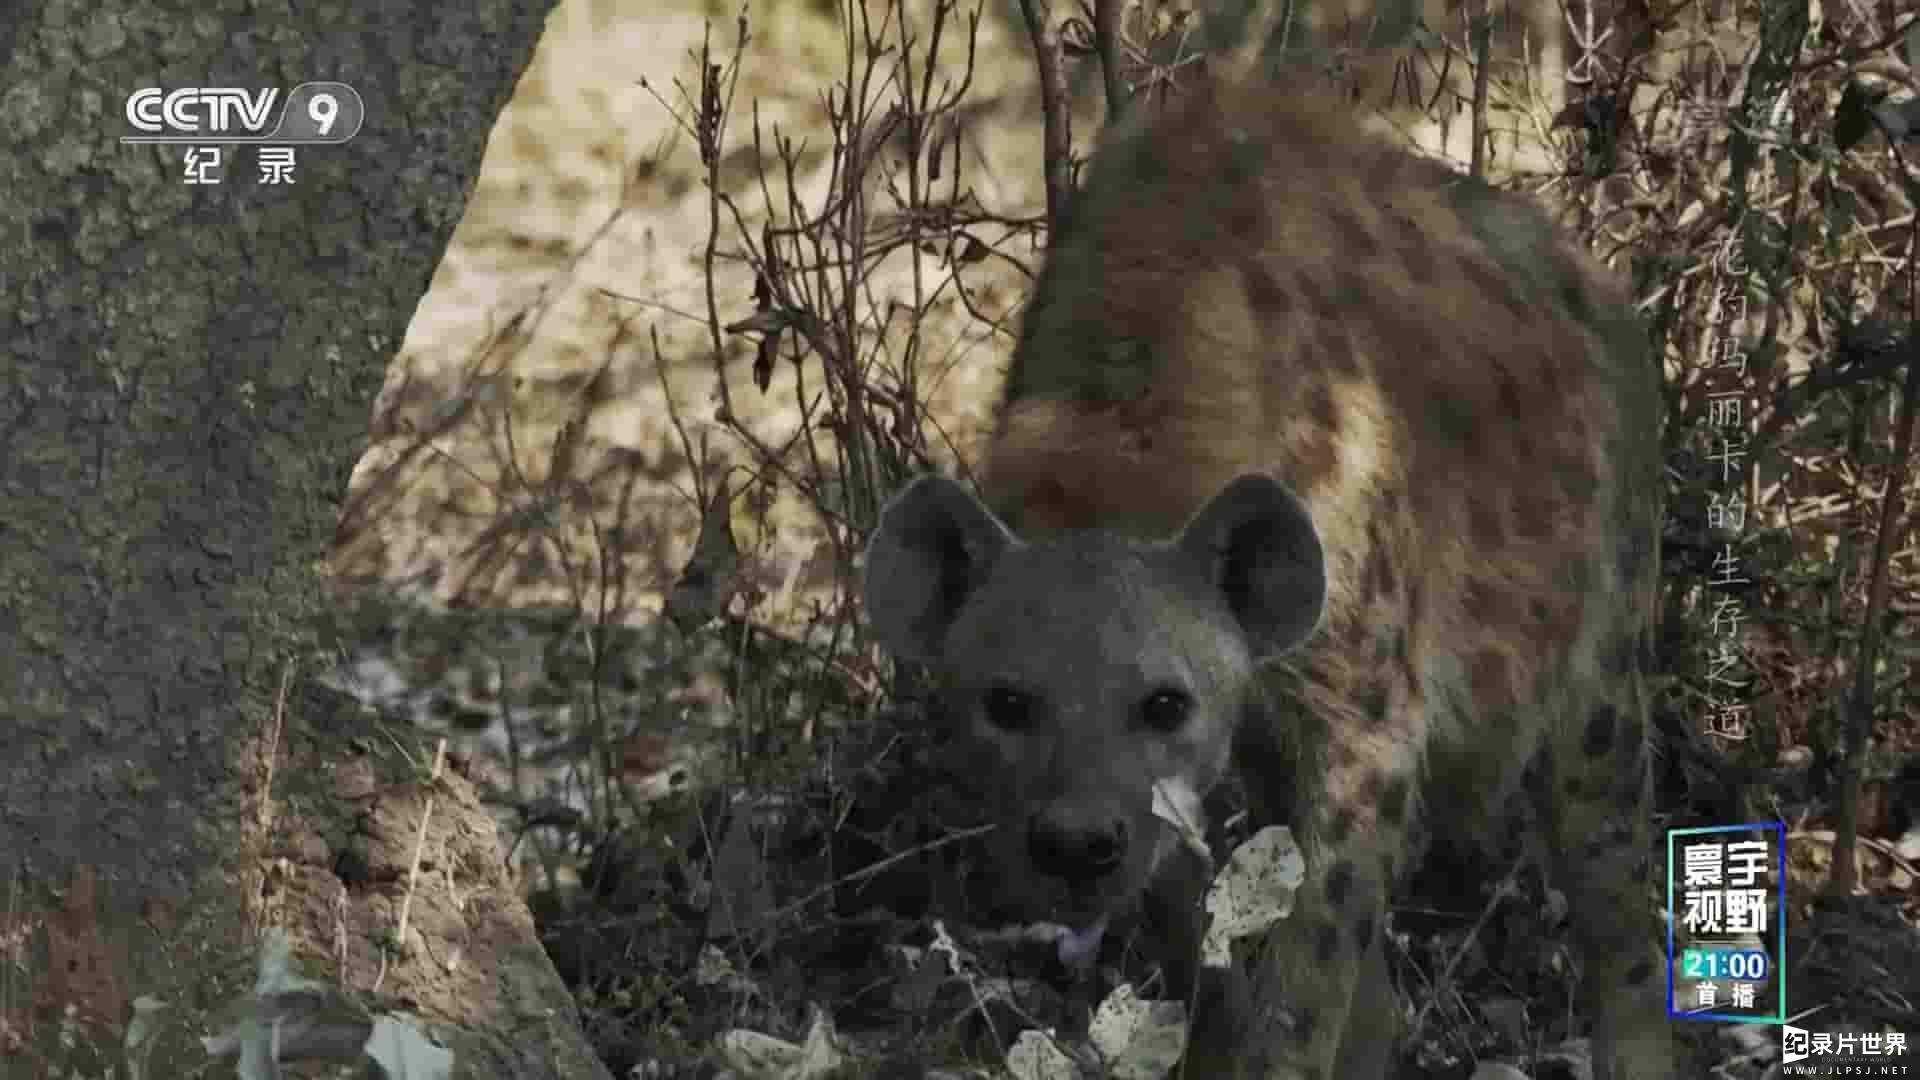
pixel 1255 543
pixel 934 544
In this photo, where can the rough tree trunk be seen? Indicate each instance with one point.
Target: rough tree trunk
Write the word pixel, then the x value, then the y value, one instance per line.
pixel 185 381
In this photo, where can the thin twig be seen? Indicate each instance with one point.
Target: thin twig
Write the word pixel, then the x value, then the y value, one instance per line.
pixel 1055 123
pixel 1500 893
pixel 1480 40
pixel 1267 16
pixel 1106 43
pixel 419 848
pixel 876 869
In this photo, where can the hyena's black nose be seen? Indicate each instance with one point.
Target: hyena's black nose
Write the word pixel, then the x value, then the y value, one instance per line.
pixel 1076 844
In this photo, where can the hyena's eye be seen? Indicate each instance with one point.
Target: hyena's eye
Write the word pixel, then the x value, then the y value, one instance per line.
pixel 1008 709
pixel 1166 711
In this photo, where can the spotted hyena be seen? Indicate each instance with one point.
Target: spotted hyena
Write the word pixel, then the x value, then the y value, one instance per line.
pixel 1321 462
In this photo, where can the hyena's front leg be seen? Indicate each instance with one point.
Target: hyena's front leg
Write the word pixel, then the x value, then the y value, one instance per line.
pixel 1352 820
pixel 1596 795
pixel 1310 962
pixel 1374 1021
pixel 1221 1007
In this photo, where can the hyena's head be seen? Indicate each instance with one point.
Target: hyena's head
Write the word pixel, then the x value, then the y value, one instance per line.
pixel 1084 669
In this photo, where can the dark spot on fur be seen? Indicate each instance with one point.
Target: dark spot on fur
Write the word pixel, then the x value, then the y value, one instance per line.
pixel 1373 703
pixel 1488 530
pixel 1340 825
pixel 1050 495
pixel 1305 1020
pixel 1242 218
pixel 1393 800
pixel 1534 515
pixel 1317 457
pixel 1363 932
pixel 1320 406
pixel 1353 289
pixel 1480 601
pixel 1265 294
pixel 1382 653
pixel 1510 402
pixel 1326 944
pixel 1315 293
pixel 1638 973
pixel 1489 675
pixel 1573 297
pixel 1340 882
pixel 1573 787
pixel 1498 287
pixel 1598 738
pixel 1416 251
pixel 1379 568
pixel 1619 659
pixel 1356 239
pixel 1537 779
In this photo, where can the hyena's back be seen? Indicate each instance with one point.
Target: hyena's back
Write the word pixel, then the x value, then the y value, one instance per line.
pixel 1247 282
pixel 1467 409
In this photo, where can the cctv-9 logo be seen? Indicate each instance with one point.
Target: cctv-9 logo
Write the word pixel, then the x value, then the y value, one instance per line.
pixel 314 112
